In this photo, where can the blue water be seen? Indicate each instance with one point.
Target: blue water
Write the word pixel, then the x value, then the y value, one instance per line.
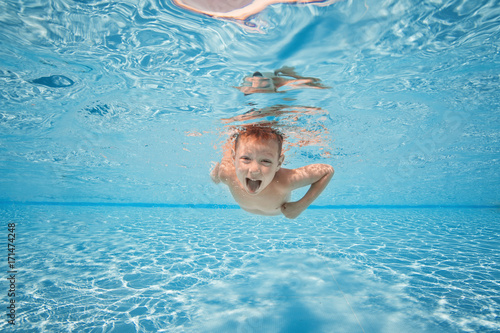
pixel 124 269
pixel 110 117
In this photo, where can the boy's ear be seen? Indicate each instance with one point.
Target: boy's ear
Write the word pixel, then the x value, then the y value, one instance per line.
pixel 281 160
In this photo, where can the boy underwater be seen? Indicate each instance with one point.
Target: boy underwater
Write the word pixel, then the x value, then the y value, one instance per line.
pixel 252 171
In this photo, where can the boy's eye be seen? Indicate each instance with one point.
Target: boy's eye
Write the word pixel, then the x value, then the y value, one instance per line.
pixel 267 162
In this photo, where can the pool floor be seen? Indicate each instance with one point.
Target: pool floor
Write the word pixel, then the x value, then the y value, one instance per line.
pixel 129 269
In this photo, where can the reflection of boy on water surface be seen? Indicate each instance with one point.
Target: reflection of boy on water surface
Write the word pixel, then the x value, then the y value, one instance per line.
pixel 271 82
pixel 252 171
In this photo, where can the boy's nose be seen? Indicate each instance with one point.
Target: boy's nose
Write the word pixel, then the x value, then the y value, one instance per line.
pixel 254 169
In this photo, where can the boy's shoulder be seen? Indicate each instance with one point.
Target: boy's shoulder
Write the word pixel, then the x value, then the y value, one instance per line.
pixel 285 176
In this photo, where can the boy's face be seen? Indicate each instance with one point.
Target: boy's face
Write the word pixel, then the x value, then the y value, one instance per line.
pixel 256 162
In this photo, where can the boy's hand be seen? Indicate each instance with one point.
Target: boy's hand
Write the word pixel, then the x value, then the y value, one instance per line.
pixel 292 209
pixel 214 174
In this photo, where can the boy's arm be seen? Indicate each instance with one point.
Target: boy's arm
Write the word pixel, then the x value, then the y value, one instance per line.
pixel 316 175
pixel 222 170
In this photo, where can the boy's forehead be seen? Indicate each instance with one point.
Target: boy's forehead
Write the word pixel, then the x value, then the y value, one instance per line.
pixel 246 142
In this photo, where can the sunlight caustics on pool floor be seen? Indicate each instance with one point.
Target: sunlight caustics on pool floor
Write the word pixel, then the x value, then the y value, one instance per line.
pixel 120 269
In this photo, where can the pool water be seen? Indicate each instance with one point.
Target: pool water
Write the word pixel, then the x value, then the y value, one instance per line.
pixel 124 269
pixel 111 117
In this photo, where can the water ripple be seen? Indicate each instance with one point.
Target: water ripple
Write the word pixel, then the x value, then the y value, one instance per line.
pixel 412 105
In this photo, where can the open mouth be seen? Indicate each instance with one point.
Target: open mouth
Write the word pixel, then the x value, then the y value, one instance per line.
pixel 253 185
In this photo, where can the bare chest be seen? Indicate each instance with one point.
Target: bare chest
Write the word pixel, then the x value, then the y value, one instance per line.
pixel 266 203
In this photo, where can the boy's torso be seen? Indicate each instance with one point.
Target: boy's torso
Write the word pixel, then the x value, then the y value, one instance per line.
pixel 267 202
